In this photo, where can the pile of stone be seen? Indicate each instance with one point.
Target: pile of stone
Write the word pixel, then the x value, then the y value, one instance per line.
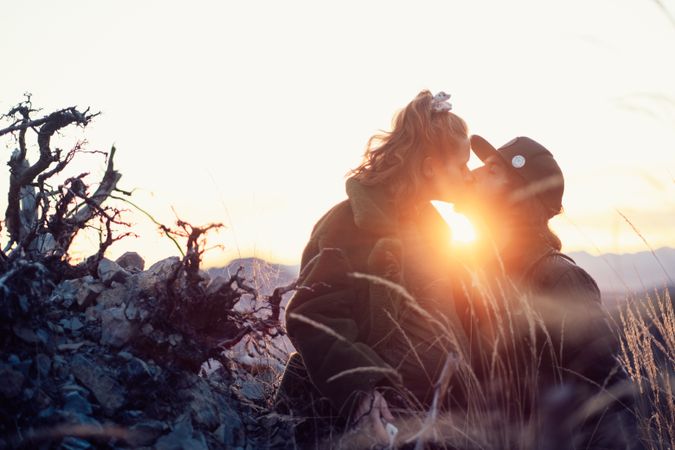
pixel 98 364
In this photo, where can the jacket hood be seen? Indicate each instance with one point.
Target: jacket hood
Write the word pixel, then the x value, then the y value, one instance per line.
pixel 373 207
pixel 375 210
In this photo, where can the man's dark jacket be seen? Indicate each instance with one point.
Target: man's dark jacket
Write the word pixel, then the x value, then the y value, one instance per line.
pixel 579 344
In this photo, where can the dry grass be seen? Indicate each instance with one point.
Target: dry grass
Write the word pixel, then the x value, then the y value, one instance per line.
pixel 498 376
pixel 648 355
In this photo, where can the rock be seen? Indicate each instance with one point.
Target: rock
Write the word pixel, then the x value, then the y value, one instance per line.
pixel 70 346
pixel 72 386
pixel 217 284
pixel 72 443
pixel 175 339
pixel 43 336
pixel 53 415
pixel 164 267
pixel 137 371
pixel 131 311
pixel 12 380
pixel 88 291
pixel 65 292
pixel 155 370
pixel 131 261
pixel 147 329
pixel 76 324
pixel 231 430
pixel 252 390
pixel 109 271
pixel 74 402
pixel 107 391
pixel 198 441
pixel 82 291
pixel 24 304
pixel 26 334
pixel 42 400
pixel 125 355
pixel 28 394
pixel 60 366
pixel 203 407
pixel 80 419
pixel 146 432
pixel 73 324
pixel 277 429
pixel 44 243
pixel 47 413
pixel 144 314
pixel 43 364
pixel 22 366
pixel 92 314
pixel 131 415
pixel 161 271
pixel 55 328
pixel 116 329
pixel 225 434
pixel 182 437
pixel 206 278
pixel 115 296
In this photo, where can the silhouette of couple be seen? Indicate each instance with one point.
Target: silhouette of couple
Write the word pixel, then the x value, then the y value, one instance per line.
pixel 389 319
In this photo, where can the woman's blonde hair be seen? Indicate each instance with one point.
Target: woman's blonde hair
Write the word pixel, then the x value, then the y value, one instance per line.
pixel 395 158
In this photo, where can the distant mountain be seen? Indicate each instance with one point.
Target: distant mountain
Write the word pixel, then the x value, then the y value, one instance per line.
pixel 630 272
pixel 616 274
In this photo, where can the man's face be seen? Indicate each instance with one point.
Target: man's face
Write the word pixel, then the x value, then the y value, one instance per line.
pixel 492 180
pixel 490 196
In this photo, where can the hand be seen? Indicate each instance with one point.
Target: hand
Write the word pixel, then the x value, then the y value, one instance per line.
pixel 372 414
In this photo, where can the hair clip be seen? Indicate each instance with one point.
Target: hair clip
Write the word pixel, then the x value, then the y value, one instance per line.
pixel 439 103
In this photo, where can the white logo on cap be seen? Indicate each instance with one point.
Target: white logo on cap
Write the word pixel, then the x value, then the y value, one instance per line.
pixel 518 161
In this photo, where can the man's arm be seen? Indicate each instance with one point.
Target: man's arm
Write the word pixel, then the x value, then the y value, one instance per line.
pixel 588 341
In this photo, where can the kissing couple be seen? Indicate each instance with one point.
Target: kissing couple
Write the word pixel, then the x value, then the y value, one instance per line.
pixel 389 321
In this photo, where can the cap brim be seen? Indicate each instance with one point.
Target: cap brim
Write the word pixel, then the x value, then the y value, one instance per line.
pixel 482 148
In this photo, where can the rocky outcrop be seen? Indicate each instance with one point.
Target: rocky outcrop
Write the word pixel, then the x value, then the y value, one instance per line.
pixel 119 360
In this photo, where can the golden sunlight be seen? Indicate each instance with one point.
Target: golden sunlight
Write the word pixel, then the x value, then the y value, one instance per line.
pixel 463 231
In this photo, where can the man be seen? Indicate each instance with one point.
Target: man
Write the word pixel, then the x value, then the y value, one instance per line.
pixel 543 331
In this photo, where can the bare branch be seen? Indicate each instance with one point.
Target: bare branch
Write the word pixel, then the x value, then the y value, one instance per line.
pixel 276 297
pixel 108 184
pixel 19 124
pixel 22 173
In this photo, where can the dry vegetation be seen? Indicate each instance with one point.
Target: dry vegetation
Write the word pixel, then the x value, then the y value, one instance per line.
pixel 648 356
pixel 505 410
pixel 103 353
pixel 635 409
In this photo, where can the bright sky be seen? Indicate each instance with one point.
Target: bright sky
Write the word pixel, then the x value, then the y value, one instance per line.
pixel 250 113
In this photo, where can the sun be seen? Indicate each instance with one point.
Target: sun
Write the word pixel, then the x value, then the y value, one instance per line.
pixel 463 231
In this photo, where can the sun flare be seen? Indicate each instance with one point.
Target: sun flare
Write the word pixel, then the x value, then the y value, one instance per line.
pixel 463 231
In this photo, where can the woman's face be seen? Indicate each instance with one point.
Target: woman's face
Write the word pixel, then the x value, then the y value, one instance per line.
pixel 450 178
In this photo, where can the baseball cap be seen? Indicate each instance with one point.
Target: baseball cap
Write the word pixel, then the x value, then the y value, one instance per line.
pixel 533 163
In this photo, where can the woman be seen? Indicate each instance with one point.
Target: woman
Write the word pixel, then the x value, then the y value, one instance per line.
pixel 355 335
